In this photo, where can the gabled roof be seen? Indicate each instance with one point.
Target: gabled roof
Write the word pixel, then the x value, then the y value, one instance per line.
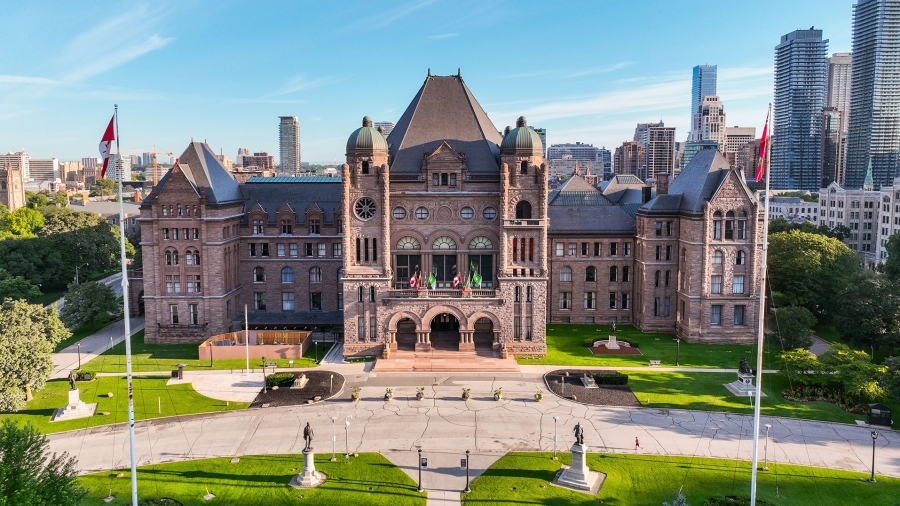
pixel 577 192
pixel 696 185
pixel 203 170
pixel 298 196
pixel 624 189
pixel 444 110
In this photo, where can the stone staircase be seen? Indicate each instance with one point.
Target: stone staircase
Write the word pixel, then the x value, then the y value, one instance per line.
pixel 446 361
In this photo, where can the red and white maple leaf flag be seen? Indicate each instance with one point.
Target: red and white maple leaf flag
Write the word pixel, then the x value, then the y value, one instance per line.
pixel 106 145
pixel 761 168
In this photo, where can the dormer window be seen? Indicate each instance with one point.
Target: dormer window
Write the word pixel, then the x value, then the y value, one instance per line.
pixel 258 227
pixel 287 226
pixel 315 227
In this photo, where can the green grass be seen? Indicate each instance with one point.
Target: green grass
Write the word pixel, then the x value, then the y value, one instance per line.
pixel 369 479
pixel 149 393
pixel 166 357
pixel 79 334
pixel 826 332
pixel 638 480
pixel 565 346
pixel 50 297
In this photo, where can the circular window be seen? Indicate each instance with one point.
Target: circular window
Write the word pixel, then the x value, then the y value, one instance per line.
pixel 422 213
pixel 399 213
pixel 489 213
pixel 365 208
pixel 467 213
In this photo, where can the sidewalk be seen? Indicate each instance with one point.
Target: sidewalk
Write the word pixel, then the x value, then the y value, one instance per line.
pixel 91 346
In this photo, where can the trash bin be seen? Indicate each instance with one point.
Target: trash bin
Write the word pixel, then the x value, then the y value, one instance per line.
pixel 879 414
pixel 180 372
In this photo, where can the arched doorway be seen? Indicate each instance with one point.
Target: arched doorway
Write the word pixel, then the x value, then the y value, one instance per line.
pixel 484 334
pixel 445 332
pixel 406 335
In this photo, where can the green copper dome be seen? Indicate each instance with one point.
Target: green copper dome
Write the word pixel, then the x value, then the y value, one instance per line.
pixel 521 139
pixel 366 138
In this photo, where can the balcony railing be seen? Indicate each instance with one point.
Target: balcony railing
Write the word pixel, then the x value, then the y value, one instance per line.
pixel 442 293
pixel 524 223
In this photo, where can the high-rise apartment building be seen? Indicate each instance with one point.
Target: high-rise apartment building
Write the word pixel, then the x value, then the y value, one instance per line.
pixel 642 132
pixel 289 145
pixel 119 166
pixel 629 158
pixel 239 159
pixel 837 87
pixel 874 127
pixel 44 169
pixel 832 146
pixel 71 171
pixel 703 84
pixel 712 120
pixel 577 151
pixel 386 126
pixel 605 157
pixel 262 161
pixel 737 137
pixel 799 98
pixel 17 160
pixel 660 151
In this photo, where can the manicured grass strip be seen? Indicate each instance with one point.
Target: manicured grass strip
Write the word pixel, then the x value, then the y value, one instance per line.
pixel 369 479
pixel 638 480
pixel 149 395
pixel 705 391
pixel 79 334
pixel 166 357
pixel 565 346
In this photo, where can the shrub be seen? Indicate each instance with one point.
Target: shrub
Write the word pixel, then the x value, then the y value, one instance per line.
pixel 280 379
pixel 82 375
pixel 611 379
pixel 744 500
pixel 589 343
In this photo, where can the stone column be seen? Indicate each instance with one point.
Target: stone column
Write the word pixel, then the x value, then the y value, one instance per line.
pixel 423 340
pixel 466 341
pixel 309 477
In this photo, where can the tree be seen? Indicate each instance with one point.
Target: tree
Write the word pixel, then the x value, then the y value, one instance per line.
pixel 23 222
pixel 890 381
pixel 103 187
pixel 17 287
pixel 793 325
pixel 36 200
pixel 870 312
pixel 28 335
pixel 854 372
pixel 89 303
pixel 803 367
pixel 30 475
pixel 810 269
pixel 891 266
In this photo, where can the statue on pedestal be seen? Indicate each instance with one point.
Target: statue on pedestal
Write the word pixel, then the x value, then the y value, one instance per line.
pixel 744 368
pixel 72 379
pixel 308 436
pixel 612 327
pixel 579 434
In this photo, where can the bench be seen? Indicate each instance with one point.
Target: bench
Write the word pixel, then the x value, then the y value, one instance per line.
pixel 655 363
pixel 275 364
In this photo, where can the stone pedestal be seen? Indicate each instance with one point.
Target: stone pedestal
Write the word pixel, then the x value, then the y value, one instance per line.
pixel 309 477
pixel 75 408
pixel 578 476
pixel 743 386
pixel 612 344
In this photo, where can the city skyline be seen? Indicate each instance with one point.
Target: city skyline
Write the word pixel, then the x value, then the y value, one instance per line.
pixel 57 90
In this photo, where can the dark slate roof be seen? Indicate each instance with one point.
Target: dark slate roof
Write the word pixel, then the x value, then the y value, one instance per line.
pixel 697 182
pixel 290 319
pixel 293 179
pixel 444 110
pixel 299 195
pixel 665 203
pixel 624 189
pixel 577 192
pixel 203 169
pixel 590 220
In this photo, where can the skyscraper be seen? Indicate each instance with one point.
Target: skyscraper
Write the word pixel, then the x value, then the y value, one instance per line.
pixel 629 158
pixel 832 135
pixel 799 98
pixel 837 87
pixel 289 144
pixel 874 129
pixel 660 151
pixel 387 126
pixel 712 120
pixel 703 84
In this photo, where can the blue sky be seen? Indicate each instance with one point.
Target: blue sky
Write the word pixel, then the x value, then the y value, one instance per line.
pixel 224 71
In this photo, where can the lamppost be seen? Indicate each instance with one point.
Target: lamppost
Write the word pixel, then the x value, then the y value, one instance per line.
pixel 76 272
pixel 333 438
pixel 874 437
pixel 79 355
pixel 467 490
pixel 766 449
pixel 347 436
pixel 316 345
pixel 555 418
pixel 420 471
pixel 564 383
pixel 677 350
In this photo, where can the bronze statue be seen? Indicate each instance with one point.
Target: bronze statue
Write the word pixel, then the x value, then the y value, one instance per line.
pixel 612 327
pixel 744 368
pixel 579 434
pixel 308 436
pixel 72 379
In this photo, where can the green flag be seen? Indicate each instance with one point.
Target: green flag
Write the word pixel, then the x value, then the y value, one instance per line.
pixel 476 278
pixel 432 281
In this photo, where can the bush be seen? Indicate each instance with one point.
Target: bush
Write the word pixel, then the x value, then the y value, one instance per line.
pixel 82 375
pixel 744 500
pixel 589 343
pixel 611 379
pixel 280 379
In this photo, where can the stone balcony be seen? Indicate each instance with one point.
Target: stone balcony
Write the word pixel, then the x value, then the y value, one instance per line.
pixel 478 293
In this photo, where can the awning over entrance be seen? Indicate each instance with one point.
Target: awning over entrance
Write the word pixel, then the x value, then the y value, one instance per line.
pixel 322 321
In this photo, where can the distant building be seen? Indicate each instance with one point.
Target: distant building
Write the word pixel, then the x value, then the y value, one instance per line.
pixel 629 158
pixel 837 85
pixel 747 158
pixel 239 159
pixel 856 209
pixel 542 133
pixel 691 148
pixel 289 145
pixel 660 151
pixel 261 161
pixel 110 211
pixel 44 169
pixel 387 126
pixel 71 171
pixel 566 166
pixel 737 137
pixel 799 98
pixel 146 158
pixel 135 160
pixel 832 155
pixel 577 151
pixel 224 161
pixel 793 209
pixel 642 132
pixel 18 160
pixel 712 120
pixel 605 157
pixel 89 162
pixel 119 167
pixel 703 84
pixel 12 186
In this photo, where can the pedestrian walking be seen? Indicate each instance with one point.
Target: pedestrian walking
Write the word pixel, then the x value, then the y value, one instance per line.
pixel 637 444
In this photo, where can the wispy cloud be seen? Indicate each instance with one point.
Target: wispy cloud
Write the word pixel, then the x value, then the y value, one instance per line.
pixel 568 74
pixel 6 79
pixel 389 16
pixel 442 36
pixel 295 84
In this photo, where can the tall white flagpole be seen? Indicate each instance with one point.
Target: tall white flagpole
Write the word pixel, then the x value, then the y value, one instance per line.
pixel 247 339
pixel 762 311
pixel 128 375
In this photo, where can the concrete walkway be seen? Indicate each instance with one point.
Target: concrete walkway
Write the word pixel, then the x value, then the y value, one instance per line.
pixel 819 346
pixel 444 478
pixel 91 346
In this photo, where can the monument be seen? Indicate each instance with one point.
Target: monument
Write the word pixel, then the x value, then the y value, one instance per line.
pixel 743 386
pixel 309 477
pixel 578 476
pixel 75 408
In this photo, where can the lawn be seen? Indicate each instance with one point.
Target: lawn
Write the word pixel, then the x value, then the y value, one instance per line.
pixel 152 399
pixel 166 357
pixel 565 346
pixel 79 334
pixel 369 479
pixel 638 480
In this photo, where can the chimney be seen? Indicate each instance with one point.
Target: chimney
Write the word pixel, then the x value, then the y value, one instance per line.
pixel 645 194
pixel 662 184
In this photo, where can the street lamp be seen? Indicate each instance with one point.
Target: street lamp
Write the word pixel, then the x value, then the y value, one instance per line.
pixel 874 437
pixel 76 272
pixel 555 418
pixel 677 350
pixel 420 471
pixel 766 448
pixel 347 436
pixel 333 438
pixel 467 490
pixel 564 383
pixel 79 355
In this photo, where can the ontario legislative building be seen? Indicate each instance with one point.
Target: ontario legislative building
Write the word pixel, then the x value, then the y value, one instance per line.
pixel 444 235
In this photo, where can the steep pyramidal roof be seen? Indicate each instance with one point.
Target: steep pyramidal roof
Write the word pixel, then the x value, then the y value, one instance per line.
pixel 696 185
pixel 444 110
pixel 203 170
pixel 578 192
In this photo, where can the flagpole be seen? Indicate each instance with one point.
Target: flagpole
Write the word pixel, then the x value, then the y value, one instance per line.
pixel 128 372
pixel 762 311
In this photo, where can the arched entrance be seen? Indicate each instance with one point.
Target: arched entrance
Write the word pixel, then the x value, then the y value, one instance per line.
pixel 484 334
pixel 406 335
pixel 445 332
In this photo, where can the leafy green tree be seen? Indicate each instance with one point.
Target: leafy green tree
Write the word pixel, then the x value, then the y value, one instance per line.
pixel 891 266
pixel 810 269
pixel 30 475
pixel 854 372
pixel 59 220
pixel 17 287
pixel 870 312
pixel 36 200
pixel 890 381
pixel 803 366
pixel 23 222
pixel 103 187
pixel 88 303
pixel 28 335
pixel 793 324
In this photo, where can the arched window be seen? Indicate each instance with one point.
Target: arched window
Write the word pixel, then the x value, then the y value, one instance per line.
pixel 613 273
pixel 717 225
pixel 717 257
pixel 175 258
pixel 192 257
pixel 524 166
pixel 565 274
pixel 408 243
pixel 168 258
pixel 444 242
pixel 259 274
pixel 287 275
pixel 683 255
pixel 523 210
pixel 740 258
pixel 315 275
pixel 729 225
pixel 359 293
pixel 481 242
pixel 590 274
pixel 196 258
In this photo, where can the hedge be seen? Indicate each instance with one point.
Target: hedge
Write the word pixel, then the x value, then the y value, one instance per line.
pixel 611 379
pixel 280 379
pixel 744 500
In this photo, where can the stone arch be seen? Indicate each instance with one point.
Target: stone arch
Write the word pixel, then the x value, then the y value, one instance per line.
pixel 482 314
pixel 399 315
pixel 436 310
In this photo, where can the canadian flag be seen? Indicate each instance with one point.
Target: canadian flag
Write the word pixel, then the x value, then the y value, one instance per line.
pixel 106 145
pixel 457 281
pixel 414 282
